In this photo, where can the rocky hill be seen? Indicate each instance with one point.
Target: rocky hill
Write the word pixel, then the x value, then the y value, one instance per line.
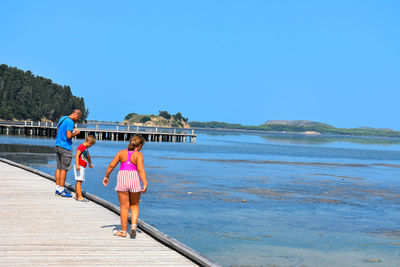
pixel 295 123
pixel 299 126
pixel 164 119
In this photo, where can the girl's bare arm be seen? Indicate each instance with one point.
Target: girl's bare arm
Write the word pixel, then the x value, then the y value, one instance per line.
pixel 142 172
pixel 110 168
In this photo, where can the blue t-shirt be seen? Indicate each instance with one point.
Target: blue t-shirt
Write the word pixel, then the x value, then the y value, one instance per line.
pixel 64 124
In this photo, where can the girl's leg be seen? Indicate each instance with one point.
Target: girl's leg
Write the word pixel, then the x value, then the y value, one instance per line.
pixel 134 203
pixel 78 190
pixel 124 205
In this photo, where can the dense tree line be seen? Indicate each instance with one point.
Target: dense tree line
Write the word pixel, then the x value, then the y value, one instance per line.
pixel 24 96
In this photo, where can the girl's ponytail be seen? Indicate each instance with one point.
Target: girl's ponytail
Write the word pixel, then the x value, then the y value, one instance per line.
pixel 135 141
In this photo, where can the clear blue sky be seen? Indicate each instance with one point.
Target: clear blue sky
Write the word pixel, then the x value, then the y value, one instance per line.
pixel 235 61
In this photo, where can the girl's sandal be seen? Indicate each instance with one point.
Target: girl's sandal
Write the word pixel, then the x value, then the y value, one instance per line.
pixel 119 233
pixel 132 234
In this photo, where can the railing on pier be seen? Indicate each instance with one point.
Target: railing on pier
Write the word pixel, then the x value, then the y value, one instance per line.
pixel 101 131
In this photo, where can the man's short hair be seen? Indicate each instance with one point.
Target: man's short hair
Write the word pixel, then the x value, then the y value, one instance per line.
pixel 77 111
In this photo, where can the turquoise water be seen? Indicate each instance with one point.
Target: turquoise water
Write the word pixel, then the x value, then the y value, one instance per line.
pixel 247 199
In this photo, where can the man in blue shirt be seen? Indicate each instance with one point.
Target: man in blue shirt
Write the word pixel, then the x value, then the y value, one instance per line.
pixel 65 132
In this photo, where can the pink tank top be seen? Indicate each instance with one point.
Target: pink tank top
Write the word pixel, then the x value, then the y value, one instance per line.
pixel 128 165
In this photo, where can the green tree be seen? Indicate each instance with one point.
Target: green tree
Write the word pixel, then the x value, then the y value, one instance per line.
pixel 145 119
pixel 130 115
pixel 178 117
pixel 165 114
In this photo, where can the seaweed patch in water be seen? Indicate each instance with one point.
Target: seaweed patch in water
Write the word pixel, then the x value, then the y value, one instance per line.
pixel 338 176
pixel 238 200
pixel 237 236
pixel 184 192
pixel 158 181
pixel 267 192
pixel 323 200
pixel 278 162
pixel 386 233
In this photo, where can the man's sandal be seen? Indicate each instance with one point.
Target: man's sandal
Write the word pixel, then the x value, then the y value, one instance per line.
pixel 119 233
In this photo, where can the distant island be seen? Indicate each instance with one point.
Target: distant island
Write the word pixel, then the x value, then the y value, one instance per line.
pixel 163 119
pixel 24 96
pixel 299 126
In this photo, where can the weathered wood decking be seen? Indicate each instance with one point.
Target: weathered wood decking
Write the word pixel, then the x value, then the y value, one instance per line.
pixel 39 228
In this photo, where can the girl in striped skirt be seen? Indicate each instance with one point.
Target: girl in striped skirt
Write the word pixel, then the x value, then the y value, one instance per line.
pixel 128 187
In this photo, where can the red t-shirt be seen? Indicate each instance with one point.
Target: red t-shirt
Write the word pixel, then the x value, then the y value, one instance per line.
pixel 83 157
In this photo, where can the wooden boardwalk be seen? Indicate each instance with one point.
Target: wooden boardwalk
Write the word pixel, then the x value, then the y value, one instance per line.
pixel 39 228
pixel 120 133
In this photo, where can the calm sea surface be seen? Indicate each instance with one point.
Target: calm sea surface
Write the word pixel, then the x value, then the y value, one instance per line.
pixel 247 199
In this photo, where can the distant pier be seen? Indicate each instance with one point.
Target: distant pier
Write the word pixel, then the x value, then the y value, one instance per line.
pixel 101 131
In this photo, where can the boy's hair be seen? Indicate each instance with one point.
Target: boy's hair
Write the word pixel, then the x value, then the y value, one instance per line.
pixel 135 141
pixel 91 139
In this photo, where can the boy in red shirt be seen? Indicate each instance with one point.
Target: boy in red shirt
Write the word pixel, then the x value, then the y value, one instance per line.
pixel 82 158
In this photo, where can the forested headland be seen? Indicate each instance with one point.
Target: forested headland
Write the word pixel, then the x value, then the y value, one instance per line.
pixel 299 127
pixel 24 96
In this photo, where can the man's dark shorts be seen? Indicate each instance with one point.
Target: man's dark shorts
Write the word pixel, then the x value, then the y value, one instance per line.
pixel 64 158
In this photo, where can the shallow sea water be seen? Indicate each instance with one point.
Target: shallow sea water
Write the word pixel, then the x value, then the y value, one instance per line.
pixel 250 199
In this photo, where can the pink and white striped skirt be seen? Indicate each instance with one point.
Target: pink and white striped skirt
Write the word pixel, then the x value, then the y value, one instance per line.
pixel 128 181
